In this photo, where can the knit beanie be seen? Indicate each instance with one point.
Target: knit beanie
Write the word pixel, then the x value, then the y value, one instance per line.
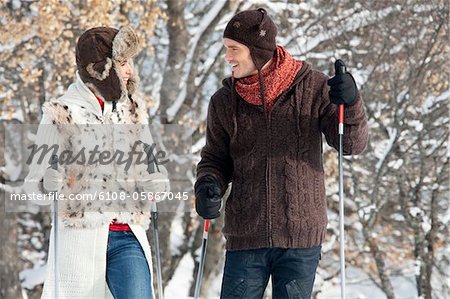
pixel 99 53
pixel 256 30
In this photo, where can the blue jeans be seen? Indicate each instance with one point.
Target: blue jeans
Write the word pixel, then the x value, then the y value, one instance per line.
pixel 127 271
pixel 247 272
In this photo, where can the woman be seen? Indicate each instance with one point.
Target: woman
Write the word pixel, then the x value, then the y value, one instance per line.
pixel 103 249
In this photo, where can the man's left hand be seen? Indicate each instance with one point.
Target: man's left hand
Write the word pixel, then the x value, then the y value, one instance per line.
pixel 343 89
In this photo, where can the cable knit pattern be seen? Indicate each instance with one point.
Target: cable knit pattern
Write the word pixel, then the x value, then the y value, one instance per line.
pixel 274 160
pixel 295 193
pixel 238 202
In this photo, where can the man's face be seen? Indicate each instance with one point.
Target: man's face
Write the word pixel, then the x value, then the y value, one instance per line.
pixel 238 56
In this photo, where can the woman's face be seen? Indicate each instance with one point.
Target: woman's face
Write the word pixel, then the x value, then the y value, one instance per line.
pixel 125 71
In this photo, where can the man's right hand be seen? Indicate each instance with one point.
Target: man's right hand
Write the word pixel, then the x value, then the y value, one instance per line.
pixel 53 180
pixel 207 197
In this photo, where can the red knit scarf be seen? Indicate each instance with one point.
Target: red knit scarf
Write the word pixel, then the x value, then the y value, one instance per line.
pixel 277 77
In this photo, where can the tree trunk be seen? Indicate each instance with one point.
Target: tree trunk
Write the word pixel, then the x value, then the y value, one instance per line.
pixel 381 267
pixel 178 41
pixel 9 265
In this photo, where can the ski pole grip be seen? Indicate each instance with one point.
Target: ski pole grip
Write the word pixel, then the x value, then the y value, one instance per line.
pixel 339 67
pixel 54 162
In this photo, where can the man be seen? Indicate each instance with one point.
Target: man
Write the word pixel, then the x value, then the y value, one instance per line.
pixel 264 133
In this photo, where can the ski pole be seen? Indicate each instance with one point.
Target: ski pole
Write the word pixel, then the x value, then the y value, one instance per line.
pixel 198 283
pixel 151 169
pixel 341 69
pixel 54 165
pixel 157 252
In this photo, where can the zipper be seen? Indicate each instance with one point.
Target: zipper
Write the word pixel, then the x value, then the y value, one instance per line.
pixel 268 178
pixel 269 222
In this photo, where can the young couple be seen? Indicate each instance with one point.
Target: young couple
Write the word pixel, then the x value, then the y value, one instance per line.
pixel 264 135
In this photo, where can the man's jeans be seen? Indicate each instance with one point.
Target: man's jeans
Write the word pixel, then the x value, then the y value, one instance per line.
pixel 127 272
pixel 247 272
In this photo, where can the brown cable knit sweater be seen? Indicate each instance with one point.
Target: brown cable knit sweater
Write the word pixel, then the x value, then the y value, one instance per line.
pixel 275 161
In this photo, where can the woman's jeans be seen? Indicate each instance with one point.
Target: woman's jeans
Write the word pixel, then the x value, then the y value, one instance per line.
pixel 293 271
pixel 127 271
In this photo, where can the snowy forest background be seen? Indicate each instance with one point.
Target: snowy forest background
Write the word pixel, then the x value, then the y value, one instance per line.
pixel 397 192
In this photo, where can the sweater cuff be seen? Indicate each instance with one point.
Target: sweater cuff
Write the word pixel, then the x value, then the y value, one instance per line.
pixel 353 112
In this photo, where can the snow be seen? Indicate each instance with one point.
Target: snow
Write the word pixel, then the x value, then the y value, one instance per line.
pixel 360 286
pixel 354 42
pixel 415 211
pixel 425 8
pixel 426 224
pixel 383 148
pixel 395 164
pixel 398 217
pixel 199 145
pixel 32 277
pixel 177 232
pixel 12 152
pixel 357 20
pixel 178 286
pixel 213 291
pixel 361 75
pixel 172 110
pixel 207 19
pixel 417 124
pixel 434 100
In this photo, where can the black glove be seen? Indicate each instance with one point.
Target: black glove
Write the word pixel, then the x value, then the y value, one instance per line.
pixel 207 197
pixel 343 89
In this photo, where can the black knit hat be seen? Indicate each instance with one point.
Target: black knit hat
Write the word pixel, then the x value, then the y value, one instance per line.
pixel 99 51
pixel 256 30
